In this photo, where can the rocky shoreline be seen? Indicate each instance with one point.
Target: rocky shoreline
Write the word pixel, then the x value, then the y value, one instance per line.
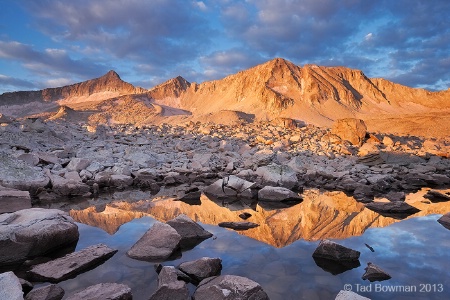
pixel 43 162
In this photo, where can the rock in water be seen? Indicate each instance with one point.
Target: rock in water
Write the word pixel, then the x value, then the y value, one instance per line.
pixel 169 287
pixel 331 250
pixel 201 268
pixel 435 196
pixel 48 292
pixel 227 287
pixel 273 193
pixel 397 208
pixel 10 288
pixel 33 232
pixel 12 200
pixel 238 225
pixel 158 243
pixel 375 273
pixel 445 220
pixel 191 233
pixel 352 130
pixel 72 264
pixel 110 291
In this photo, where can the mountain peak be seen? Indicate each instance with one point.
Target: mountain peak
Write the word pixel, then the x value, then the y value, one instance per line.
pixel 112 75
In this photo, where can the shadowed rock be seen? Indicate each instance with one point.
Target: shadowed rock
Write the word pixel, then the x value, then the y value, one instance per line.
pixel 272 193
pixel 72 264
pixel 227 287
pixel 12 200
pixel 333 251
pixel 201 268
pixel 375 273
pixel 445 220
pixel 230 186
pixel 34 232
pixel 435 196
pixel 335 267
pixel 397 209
pixel 191 233
pixel 169 286
pixel 110 291
pixel 238 225
pixel 160 242
pixel 48 292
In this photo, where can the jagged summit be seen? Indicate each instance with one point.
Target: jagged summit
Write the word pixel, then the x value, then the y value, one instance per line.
pixel 172 88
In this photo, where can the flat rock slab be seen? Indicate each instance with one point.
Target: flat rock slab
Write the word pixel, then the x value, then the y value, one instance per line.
pixel 375 273
pixel 12 200
pixel 33 232
pixel 48 292
pixel 169 286
pixel 160 242
pixel 10 287
pixel 277 194
pixel 277 175
pixel 71 264
pixel 333 251
pixel 110 291
pixel 396 207
pixel 238 225
pixel 229 287
pixel 191 233
pixel 201 268
pixel 445 220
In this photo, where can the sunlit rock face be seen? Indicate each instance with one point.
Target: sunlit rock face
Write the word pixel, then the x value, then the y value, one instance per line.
pixel 331 215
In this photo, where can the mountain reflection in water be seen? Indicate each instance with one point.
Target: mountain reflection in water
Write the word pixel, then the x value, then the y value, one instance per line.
pixel 331 215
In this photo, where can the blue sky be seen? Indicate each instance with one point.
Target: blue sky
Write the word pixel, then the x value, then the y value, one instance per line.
pixel 49 43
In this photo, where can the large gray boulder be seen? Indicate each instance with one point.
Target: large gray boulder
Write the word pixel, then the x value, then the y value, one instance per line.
pixel 191 233
pixel 17 174
pixel 33 232
pixel 350 129
pixel 333 251
pixel 12 200
pixel 169 287
pixel 71 264
pixel 230 186
pixel 48 292
pixel 10 287
pixel 110 291
pixel 277 194
pixel 160 242
pixel 277 175
pixel 201 268
pixel 229 287
pixel 69 185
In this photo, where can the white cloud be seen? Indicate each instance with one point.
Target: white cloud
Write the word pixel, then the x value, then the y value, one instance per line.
pixel 368 36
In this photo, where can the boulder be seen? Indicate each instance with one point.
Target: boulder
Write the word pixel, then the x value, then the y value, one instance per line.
pixel 70 185
pixel 350 129
pixel 277 175
pixel 191 233
pixel 375 273
pixel 34 232
pixel 169 287
pixel 272 193
pixel 10 287
pixel 238 225
pixel 160 242
pixel 110 291
pixel 78 164
pixel 398 209
pixel 12 200
pixel 445 220
pixel 227 287
pixel 231 186
pixel 333 251
pixel 71 264
pixel 48 292
pixel 201 268
pixel 349 295
pixel 17 174
pixel 119 180
pixel 29 158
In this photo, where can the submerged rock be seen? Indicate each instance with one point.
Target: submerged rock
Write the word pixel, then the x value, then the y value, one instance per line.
pixel 72 264
pixel 238 225
pixel 191 233
pixel 110 291
pixel 228 287
pixel 201 268
pixel 48 292
pixel 33 232
pixel 375 273
pixel 333 251
pixel 10 287
pixel 160 242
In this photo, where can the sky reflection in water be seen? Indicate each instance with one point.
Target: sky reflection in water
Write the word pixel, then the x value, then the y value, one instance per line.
pixel 413 252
